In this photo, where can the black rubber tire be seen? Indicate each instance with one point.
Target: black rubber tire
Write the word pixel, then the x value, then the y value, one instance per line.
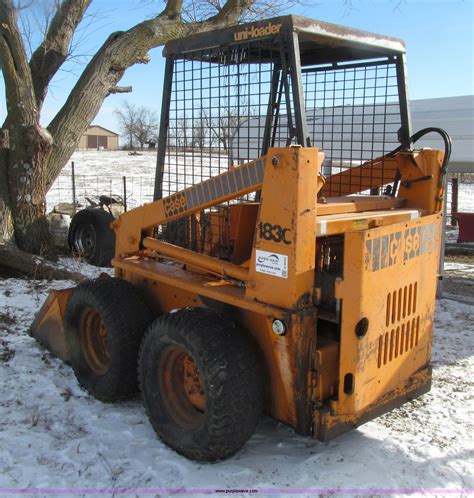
pixel 125 318
pixel 90 236
pixel 229 368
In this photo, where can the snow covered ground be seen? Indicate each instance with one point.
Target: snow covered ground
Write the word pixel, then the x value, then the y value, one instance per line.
pixel 102 172
pixel 53 435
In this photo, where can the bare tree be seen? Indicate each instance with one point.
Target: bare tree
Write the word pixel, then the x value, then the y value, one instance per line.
pixel 32 156
pixel 200 134
pixel 127 118
pixel 138 123
pixel 183 133
pixel 228 116
pixel 146 126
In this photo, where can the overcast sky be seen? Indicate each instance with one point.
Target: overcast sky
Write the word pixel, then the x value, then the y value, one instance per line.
pixel 438 35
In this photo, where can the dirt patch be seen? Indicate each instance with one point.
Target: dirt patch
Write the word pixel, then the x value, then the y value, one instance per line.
pixel 460 258
pixel 459 275
pixel 7 319
pixel 6 353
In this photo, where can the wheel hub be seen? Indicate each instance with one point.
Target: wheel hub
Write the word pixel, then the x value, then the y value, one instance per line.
pixel 94 341
pixel 85 239
pixel 181 387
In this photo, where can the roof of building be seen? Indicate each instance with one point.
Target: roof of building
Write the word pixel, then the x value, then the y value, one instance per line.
pixel 102 128
pixel 456 116
pixel 453 114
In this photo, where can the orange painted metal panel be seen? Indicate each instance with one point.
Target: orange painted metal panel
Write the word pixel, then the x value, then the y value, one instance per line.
pixel 388 280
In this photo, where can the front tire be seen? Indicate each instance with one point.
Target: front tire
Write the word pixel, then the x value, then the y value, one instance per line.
pixel 103 326
pixel 201 383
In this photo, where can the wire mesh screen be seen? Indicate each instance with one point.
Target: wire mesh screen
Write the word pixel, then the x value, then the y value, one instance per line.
pixel 353 114
pixel 216 94
pixel 228 105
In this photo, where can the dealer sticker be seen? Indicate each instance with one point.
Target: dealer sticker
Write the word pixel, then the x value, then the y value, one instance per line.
pixel 272 264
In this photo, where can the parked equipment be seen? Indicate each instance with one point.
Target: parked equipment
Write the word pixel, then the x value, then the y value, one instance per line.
pixel 288 262
pixel 90 235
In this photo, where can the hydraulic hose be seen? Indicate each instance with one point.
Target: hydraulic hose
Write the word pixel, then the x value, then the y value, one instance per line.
pixel 413 139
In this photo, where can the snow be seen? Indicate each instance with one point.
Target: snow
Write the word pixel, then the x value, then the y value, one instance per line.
pixel 102 172
pixel 451 234
pixel 55 436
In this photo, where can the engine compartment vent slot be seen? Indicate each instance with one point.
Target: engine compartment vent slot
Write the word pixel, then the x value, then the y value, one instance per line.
pixel 401 303
pixel 398 341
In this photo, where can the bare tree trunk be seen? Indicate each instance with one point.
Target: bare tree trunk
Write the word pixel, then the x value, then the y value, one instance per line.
pixel 27 149
pixel 6 221
pixel 16 261
pixel 26 177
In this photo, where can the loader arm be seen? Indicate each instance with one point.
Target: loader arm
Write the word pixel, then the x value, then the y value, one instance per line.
pixel 419 173
pixel 371 174
pixel 133 225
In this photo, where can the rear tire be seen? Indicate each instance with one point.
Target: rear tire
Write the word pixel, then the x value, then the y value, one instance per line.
pixel 201 383
pixel 91 238
pixel 103 326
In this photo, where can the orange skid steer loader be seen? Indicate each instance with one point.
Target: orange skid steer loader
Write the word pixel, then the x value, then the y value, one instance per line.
pixel 289 260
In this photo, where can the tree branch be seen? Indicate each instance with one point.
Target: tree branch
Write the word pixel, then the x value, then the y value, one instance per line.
pixel 232 11
pixel 54 49
pixel 23 263
pixel 173 9
pixel 120 89
pixel 13 61
pixel 119 52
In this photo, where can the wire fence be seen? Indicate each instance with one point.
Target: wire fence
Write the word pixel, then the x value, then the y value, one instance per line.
pixel 460 195
pixel 459 199
pixel 73 192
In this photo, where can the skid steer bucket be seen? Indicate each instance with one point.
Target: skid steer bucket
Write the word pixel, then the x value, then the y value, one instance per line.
pixel 47 327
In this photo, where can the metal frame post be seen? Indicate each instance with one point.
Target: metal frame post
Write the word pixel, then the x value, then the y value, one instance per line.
pixel 124 193
pixel 164 124
pixel 302 133
pixel 454 199
pixel 439 290
pixel 271 109
pixel 405 116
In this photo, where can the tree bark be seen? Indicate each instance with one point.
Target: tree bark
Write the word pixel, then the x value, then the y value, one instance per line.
pixel 19 262
pixel 29 145
pixel 26 177
pixel 6 220
pixel 54 50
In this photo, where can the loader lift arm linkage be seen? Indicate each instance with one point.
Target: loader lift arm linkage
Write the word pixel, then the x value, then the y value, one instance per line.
pixel 246 178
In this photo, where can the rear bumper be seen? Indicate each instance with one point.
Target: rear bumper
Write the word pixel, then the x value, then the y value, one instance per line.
pixel 328 425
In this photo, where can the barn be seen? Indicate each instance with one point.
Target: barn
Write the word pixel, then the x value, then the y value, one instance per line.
pixel 99 138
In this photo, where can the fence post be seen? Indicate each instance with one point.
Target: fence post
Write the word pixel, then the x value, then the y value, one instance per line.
pixel 73 188
pixel 454 200
pixel 125 193
pixel 440 287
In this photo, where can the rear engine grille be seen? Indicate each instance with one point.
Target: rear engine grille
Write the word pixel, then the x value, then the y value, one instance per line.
pixel 403 325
